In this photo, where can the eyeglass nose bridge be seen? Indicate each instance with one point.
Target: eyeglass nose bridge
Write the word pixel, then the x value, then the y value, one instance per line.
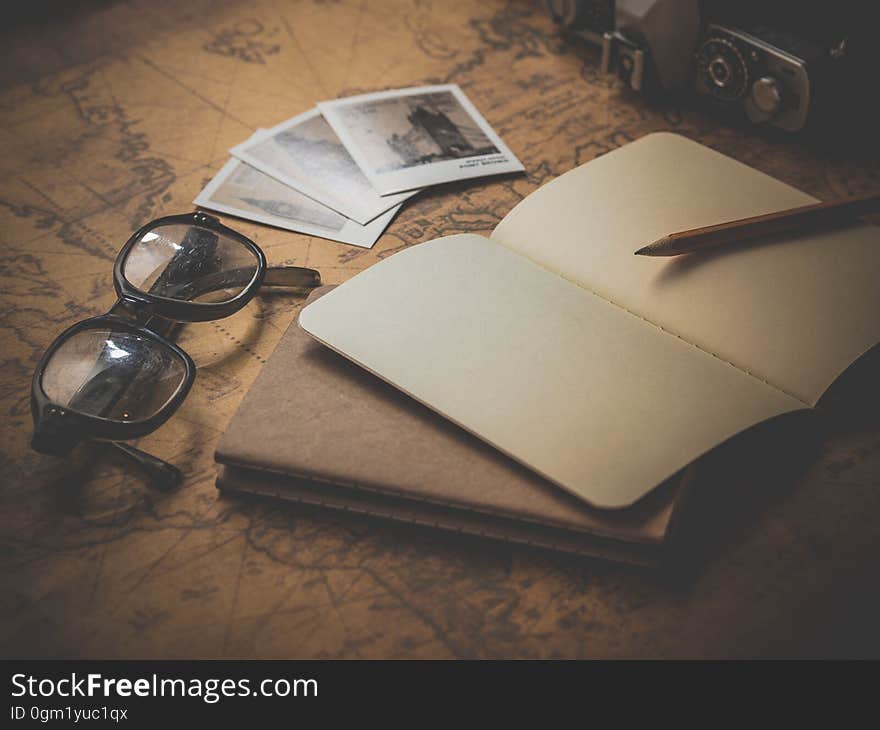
pixel 138 311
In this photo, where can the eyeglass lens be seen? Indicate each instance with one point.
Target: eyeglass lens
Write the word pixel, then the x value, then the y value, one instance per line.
pixel 120 376
pixel 189 263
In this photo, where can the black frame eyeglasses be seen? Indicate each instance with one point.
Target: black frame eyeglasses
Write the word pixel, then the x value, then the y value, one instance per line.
pixel 118 376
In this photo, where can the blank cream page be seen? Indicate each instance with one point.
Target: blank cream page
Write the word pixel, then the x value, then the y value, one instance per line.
pixel 794 311
pixel 593 398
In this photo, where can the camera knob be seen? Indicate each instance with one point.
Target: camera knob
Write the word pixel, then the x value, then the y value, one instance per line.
pixel 766 96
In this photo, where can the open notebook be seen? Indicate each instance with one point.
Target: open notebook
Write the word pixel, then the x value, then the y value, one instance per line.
pixel 604 372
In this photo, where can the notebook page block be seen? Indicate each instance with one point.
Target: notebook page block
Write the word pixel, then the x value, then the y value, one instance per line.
pixel 589 396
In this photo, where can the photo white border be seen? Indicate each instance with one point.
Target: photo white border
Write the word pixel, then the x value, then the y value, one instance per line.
pixel 432 173
pixel 351 233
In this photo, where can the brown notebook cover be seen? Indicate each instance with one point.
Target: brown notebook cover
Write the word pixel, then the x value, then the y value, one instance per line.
pixel 318 429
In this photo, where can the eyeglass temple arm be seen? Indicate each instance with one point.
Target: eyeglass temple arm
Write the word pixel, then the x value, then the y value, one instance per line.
pixel 163 475
pixel 293 276
pixel 287 276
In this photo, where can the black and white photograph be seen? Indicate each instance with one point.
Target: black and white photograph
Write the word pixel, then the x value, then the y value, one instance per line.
pixel 245 192
pixel 305 153
pixel 410 138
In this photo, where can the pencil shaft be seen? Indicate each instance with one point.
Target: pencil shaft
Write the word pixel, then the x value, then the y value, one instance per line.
pixel 769 224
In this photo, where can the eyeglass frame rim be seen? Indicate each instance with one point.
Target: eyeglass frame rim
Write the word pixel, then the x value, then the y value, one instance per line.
pixel 97 427
pixel 47 413
pixel 179 310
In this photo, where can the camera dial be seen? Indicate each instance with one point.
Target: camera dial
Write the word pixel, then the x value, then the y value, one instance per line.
pixel 722 69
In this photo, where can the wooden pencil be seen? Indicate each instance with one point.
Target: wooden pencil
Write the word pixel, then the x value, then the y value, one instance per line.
pixel 745 229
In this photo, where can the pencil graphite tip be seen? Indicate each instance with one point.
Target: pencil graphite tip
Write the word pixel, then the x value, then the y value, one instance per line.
pixel 661 247
pixel 652 249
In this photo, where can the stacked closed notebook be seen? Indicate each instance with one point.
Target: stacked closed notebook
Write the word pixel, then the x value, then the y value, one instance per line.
pixel 316 428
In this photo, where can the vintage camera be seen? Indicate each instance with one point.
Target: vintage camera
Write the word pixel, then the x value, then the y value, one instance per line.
pixel 771 62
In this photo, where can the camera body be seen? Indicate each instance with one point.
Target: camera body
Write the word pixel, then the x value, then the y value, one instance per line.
pixel 770 63
pixel 767 77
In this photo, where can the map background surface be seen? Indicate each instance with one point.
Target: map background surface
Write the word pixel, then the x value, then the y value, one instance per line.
pixel 118 112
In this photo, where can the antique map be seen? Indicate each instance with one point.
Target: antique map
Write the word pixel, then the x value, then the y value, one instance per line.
pixel 113 113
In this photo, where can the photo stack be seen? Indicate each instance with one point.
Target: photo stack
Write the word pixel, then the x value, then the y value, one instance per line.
pixel 342 170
